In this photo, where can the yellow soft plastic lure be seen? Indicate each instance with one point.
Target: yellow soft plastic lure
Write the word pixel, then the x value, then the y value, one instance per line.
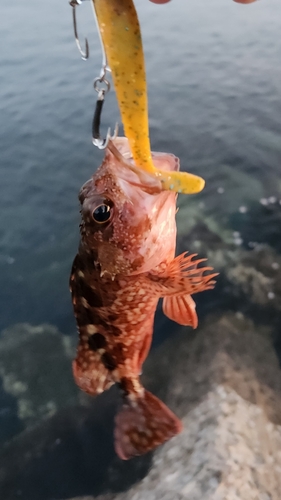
pixel 121 36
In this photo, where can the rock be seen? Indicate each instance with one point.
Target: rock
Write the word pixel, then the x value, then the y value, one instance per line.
pixel 68 454
pixel 228 349
pixel 191 217
pixel 227 451
pixel 261 224
pixel 223 381
pixel 252 279
pixel 258 275
pixel 35 366
pixel 249 278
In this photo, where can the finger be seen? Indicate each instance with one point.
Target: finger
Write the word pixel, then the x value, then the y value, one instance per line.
pixel 160 1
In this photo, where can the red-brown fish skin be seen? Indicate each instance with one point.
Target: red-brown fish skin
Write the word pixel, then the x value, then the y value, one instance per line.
pixel 124 265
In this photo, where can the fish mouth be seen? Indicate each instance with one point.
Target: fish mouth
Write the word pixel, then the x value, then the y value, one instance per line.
pixel 142 190
pixel 129 172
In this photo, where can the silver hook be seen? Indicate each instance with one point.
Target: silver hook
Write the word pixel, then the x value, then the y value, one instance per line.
pixel 96 137
pixel 85 54
pixel 103 143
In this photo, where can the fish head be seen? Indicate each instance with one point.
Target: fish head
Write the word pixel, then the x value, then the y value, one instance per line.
pixel 128 225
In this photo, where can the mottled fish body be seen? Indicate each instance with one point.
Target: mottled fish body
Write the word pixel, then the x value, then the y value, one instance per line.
pixel 124 265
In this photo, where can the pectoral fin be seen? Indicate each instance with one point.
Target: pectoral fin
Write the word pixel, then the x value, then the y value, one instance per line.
pixel 182 276
pixel 181 309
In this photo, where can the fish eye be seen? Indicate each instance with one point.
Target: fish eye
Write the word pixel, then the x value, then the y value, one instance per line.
pixel 102 213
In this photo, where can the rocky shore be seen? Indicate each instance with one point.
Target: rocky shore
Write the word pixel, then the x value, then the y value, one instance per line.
pixel 223 381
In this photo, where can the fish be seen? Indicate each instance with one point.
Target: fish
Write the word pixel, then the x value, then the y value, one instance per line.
pixel 125 263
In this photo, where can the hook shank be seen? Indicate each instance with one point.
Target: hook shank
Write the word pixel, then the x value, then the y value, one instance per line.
pixel 96 136
pixel 97 117
pixel 84 55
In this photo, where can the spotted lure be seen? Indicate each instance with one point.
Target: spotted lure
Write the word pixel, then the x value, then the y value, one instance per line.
pixel 121 36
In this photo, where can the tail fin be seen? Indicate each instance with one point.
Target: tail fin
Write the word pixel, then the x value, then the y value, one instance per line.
pixel 143 424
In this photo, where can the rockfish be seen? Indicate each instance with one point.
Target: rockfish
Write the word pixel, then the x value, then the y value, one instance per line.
pixel 125 264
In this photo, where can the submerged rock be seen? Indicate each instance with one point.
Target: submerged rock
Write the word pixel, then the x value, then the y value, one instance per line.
pixel 35 367
pixel 68 454
pixel 249 279
pixel 223 381
pixel 258 276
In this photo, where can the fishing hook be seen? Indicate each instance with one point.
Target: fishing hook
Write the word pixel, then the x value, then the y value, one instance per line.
pixel 84 55
pixel 96 137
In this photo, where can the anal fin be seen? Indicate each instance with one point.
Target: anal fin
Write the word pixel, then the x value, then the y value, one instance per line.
pixel 181 309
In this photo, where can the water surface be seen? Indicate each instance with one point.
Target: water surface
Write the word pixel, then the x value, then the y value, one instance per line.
pixel 214 76
pixel 215 101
